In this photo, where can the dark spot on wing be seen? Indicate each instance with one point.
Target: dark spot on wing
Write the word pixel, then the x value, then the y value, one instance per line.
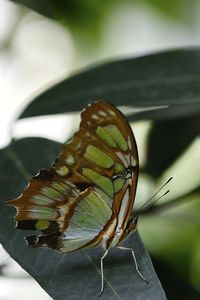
pixel 44 175
pixel 82 186
pixel 50 241
pixel 27 225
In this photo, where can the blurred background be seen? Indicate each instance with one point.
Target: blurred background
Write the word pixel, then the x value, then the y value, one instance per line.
pixel 36 51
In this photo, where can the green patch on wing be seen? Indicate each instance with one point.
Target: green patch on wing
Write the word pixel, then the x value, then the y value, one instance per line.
pixel 51 193
pixel 42 224
pixel 118 168
pixel 41 213
pixel 98 207
pixel 89 218
pixel 101 181
pixel 61 187
pixel 118 184
pixel 117 136
pixel 105 136
pixel 70 244
pixel 104 196
pixel 42 200
pixel 92 212
pixel 98 157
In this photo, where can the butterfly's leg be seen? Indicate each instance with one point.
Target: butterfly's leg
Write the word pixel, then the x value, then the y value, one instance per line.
pixel 102 278
pixel 135 261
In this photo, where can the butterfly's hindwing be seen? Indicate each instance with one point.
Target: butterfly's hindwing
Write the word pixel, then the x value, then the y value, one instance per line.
pixel 88 193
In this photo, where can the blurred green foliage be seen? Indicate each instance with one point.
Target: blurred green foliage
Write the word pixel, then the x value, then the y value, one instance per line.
pixel 177 10
pixel 85 18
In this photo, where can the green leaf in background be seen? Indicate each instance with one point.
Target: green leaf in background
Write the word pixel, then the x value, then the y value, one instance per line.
pixel 67 276
pixel 171 282
pixel 176 9
pixel 90 12
pixel 83 18
pixel 167 141
pixel 165 79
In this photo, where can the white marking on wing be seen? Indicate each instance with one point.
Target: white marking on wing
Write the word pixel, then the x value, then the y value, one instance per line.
pixel 128 159
pixel 122 158
pixel 95 117
pixel 121 217
pixel 102 113
pixel 129 143
pixel 70 160
pixel 133 161
pixel 111 112
pixel 108 233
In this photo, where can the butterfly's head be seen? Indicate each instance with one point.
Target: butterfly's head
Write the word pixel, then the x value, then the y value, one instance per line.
pixel 131 227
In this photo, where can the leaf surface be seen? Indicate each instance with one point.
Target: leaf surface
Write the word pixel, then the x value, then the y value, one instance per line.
pixel 169 78
pixel 167 141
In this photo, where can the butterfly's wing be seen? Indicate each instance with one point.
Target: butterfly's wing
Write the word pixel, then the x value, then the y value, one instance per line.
pixel 88 190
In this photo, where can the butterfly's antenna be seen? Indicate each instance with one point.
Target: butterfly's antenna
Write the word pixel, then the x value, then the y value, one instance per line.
pixel 147 204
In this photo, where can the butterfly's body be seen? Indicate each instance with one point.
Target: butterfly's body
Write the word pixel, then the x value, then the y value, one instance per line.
pixel 85 199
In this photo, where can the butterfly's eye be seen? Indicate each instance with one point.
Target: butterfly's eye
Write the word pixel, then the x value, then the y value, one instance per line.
pixel 131 225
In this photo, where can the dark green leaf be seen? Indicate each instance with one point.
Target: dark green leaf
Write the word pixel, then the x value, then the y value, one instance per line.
pixel 175 286
pixel 82 17
pixel 169 113
pixel 43 7
pixel 67 276
pixel 168 78
pixel 74 11
pixel 168 140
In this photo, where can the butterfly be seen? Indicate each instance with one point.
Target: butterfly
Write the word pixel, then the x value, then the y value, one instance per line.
pixel 86 198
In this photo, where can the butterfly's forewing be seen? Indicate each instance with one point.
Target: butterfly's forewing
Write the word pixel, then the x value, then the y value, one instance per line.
pixel 89 189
